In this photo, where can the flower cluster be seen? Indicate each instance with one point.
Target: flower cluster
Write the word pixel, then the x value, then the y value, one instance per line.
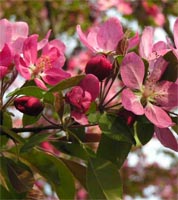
pixel 140 87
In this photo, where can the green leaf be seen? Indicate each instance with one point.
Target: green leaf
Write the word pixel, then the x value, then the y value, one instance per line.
pixel 144 132
pixel 71 148
pixel 7 120
pixel 28 119
pixel 115 128
pixel 33 141
pixel 21 178
pixel 113 150
pixel 78 170
pixel 171 72
pixel 103 180
pixel 28 91
pixel 67 83
pixel 12 134
pixel 54 170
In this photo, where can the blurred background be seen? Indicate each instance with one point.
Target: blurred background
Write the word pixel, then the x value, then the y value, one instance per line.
pixel 150 172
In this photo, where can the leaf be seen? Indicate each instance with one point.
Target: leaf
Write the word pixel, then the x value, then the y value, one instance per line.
pixel 54 170
pixel 115 128
pixel 144 132
pixel 12 134
pixel 21 178
pixel 28 91
pixel 103 180
pixel 71 148
pixel 33 141
pixel 171 72
pixel 7 120
pixel 113 150
pixel 67 83
pixel 78 170
pixel 27 119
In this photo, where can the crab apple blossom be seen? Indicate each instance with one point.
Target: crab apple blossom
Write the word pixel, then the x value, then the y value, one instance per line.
pixel 105 37
pixel 99 66
pixel 46 68
pixel 28 105
pixel 151 97
pixel 13 34
pixel 81 97
pixel 6 60
pixel 147 49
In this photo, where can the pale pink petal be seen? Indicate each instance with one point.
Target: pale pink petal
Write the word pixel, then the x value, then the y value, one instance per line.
pixel 132 71
pixel 92 39
pixel 19 29
pixel 166 137
pixel 79 117
pixel 53 76
pixel 134 41
pixel 91 84
pixel 3 71
pixel 158 116
pixel 167 94
pixel 40 83
pixel 17 46
pixel 159 68
pixel 175 30
pixel 109 34
pixel 146 42
pixel 30 49
pixel 131 102
pixel 5 32
pixel 83 39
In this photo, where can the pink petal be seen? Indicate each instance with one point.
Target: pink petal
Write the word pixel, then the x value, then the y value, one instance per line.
pixel 166 137
pixel 132 71
pixel 92 39
pixel 5 32
pixel 167 94
pixel 40 83
pixel 134 41
pixel 175 30
pixel 22 68
pixel 91 84
pixel 53 76
pixel 109 34
pixel 30 49
pixel 158 116
pixel 83 39
pixel 44 41
pixel 3 71
pixel 79 117
pixel 19 29
pixel 5 56
pixel 146 42
pixel 131 102
pixel 159 68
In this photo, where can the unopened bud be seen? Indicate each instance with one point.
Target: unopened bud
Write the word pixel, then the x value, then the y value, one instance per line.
pixel 127 116
pixel 28 105
pixel 99 66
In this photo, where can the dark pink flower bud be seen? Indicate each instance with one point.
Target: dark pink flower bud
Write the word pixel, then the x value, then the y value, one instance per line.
pixel 29 105
pixel 99 66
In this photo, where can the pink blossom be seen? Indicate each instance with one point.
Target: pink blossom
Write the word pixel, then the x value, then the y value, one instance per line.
pixel 46 68
pixel 147 49
pixel 81 97
pixel 13 34
pixel 154 11
pixel 105 37
pixel 175 31
pixel 6 59
pixel 150 97
pixel 124 7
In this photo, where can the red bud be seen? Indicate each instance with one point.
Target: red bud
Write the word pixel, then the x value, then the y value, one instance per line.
pixel 99 66
pixel 29 105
